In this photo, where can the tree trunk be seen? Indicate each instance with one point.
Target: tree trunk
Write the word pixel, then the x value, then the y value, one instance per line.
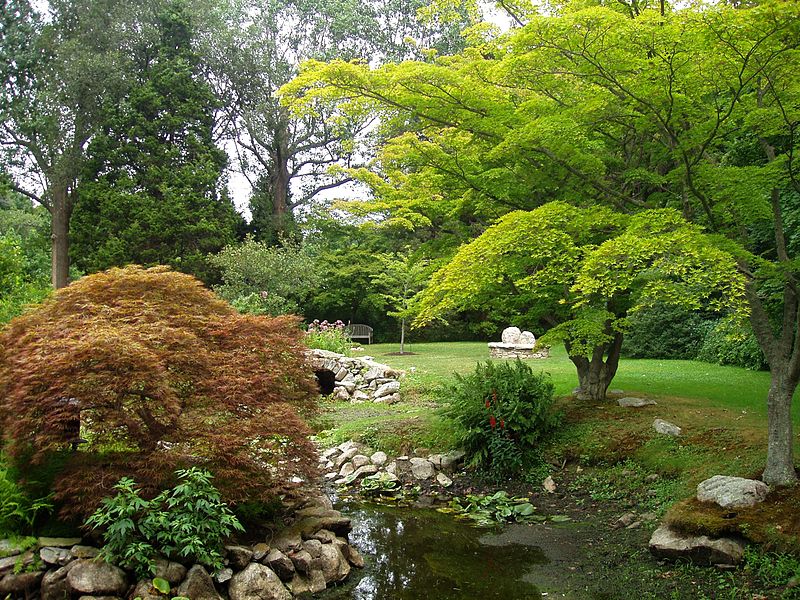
pixel 780 447
pixel 60 213
pixel 402 336
pixel 280 178
pixel 595 375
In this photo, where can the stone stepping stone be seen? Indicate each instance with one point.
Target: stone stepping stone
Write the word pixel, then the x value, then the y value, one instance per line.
pixel 631 402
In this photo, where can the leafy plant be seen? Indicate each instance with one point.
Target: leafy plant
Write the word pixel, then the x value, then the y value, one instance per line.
pixel 664 331
pixel 490 510
pixel 732 343
pixel 774 570
pixel 187 522
pixel 504 410
pixel 17 511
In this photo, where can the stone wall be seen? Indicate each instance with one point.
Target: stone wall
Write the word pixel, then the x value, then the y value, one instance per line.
pixel 500 350
pixel 357 379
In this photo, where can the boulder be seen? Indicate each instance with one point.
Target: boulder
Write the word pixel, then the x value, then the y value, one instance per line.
pixel 144 589
pixel 14 563
pixel 345 456
pixel 54 583
pixel 79 551
pixel 198 585
pixel 363 472
pixel 510 335
pixel 97 578
pixel 223 575
pixel 732 492
pixel 281 564
pixel 313 583
pixel 379 458
pixel 288 541
pixel 635 402
pixel 59 542
pixel 257 582
pixel 347 469
pixel 170 571
pixel 332 563
pixel 452 460
pixel 51 555
pixel 324 536
pixel 20 584
pixel 313 547
pixel 341 394
pixel 387 389
pixel 359 396
pixel 443 480
pixel 302 561
pixel 238 556
pixel 359 460
pixel 666 428
pixel 260 550
pixel 526 338
pixel 421 468
pixel 702 550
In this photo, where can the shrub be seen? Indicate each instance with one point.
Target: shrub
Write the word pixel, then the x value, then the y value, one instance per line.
pixel 664 331
pixel 18 511
pixel 188 522
pixel 328 336
pixel 503 410
pixel 144 371
pixel 730 343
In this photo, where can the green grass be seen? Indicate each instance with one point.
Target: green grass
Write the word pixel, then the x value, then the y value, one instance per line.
pixel 731 388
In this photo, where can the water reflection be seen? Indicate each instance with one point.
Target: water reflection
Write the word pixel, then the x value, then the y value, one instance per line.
pixel 414 554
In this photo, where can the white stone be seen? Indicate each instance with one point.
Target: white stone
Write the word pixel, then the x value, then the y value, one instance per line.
pixel 421 468
pixel 511 335
pixel 549 485
pixel 666 543
pixel 347 469
pixel 635 402
pixel 443 480
pixel 379 458
pixel 526 338
pixel 346 455
pixel 359 460
pixel 341 394
pixel 666 428
pixel 387 389
pixel 732 492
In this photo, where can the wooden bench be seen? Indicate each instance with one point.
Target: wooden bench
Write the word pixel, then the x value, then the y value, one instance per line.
pixel 359 331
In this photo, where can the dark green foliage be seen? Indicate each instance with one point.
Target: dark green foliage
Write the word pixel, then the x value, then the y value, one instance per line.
pixel 188 522
pixel 775 570
pixel 18 511
pixel 504 410
pixel 664 331
pixel 729 343
pixel 153 191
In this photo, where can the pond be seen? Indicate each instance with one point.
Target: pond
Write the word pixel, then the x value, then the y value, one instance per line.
pixel 420 553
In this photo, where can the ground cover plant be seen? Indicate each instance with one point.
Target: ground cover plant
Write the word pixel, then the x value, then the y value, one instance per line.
pixel 138 372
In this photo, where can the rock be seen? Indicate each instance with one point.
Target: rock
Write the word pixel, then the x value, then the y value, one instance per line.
pixel 511 335
pixel 260 550
pixel 79 551
pixel 345 456
pixel 666 428
pixel 359 460
pixel 313 547
pixel 349 385
pixel 391 468
pixel 51 555
pixel 387 389
pixel 97 578
pixel 198 585
pixel 341 374
pixel 635 402
pixel 341 394
pixel 331 453
pixel 390 399
pixel 652 477
pixel 549 485
pixel 666 543
pixel 59 542
pixel 379 458
pixel 257 582
pixel 452 460
pixel 350 554
pixel 348 445
pixel 280 563
pixel 20 584
pixel 223 575
pixel 422 469
pixel 54 583
pixel 624 521
pixel 347 469
pixel 443 480
pixel 332 563
pixel 288 541
pixel 732 492
pixel 526 338
pixel 313 583
pixel 13 563
pixel 324 536
pixel 359 396
pixel 302 561
pixel 100 598
pixel 363 471
pixel 144 589
pixel 239 556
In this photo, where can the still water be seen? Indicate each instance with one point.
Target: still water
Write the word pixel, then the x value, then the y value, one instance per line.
pixel 418 553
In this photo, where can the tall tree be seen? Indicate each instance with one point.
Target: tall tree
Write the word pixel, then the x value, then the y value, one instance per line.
pixel 152 188
pixel 56 74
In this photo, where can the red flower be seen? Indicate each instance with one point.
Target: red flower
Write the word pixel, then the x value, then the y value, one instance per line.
pixel 502 424
pixel 488 404
pixel 492 421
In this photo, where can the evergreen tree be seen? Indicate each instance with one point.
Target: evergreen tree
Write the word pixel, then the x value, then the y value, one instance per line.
pixel 154 190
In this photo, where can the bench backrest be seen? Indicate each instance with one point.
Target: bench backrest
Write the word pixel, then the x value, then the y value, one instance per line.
pixel 359 329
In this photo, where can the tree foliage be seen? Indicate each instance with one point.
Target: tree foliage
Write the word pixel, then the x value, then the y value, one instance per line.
pixel 145 371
